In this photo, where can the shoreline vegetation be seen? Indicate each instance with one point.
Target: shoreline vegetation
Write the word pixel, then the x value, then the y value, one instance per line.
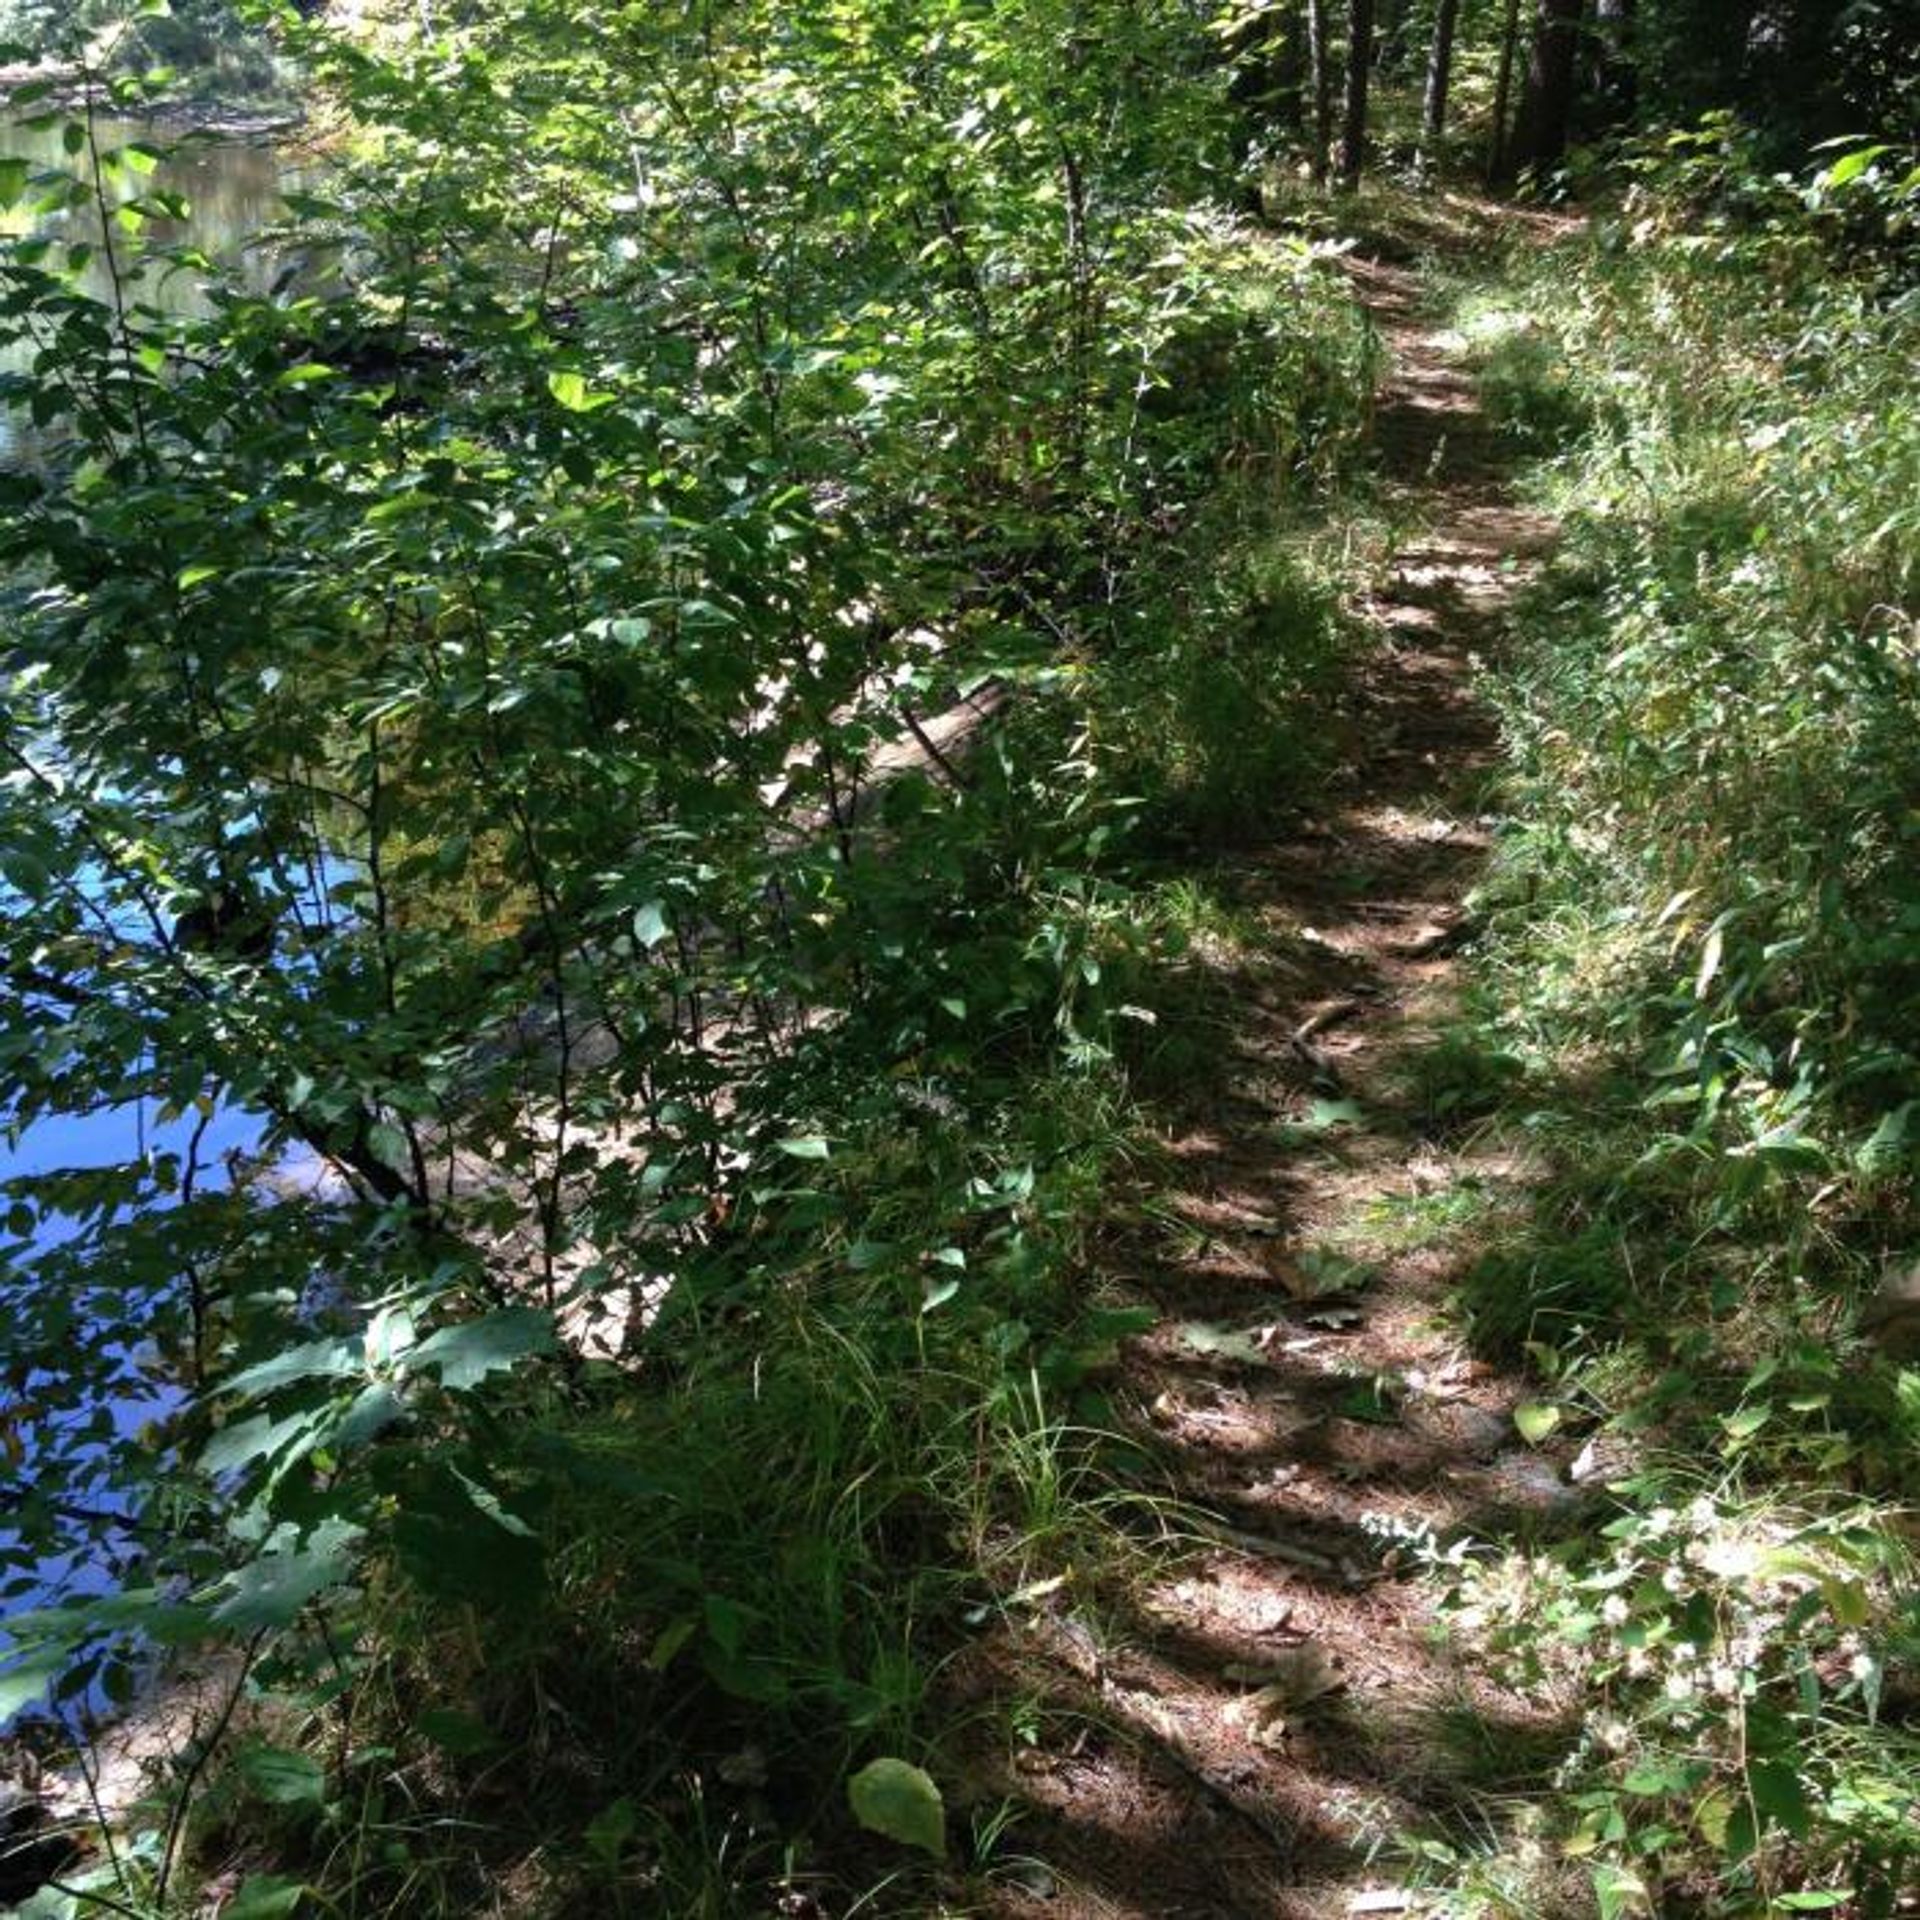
pixel 190 114
pixel 1104 1005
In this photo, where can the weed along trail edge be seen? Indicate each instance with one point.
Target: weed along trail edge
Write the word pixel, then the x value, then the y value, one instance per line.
pixel 1245 1730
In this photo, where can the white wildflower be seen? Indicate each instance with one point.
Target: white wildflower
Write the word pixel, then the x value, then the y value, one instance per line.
pixel 1614 1610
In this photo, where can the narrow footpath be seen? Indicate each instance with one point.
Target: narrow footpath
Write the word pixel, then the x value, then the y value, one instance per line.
pixel 1250 1735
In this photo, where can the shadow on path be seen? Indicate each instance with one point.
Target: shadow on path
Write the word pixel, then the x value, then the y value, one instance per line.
pixel 1242 1733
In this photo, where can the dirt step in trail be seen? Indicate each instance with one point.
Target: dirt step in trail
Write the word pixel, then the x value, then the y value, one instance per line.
pixel 1241 1736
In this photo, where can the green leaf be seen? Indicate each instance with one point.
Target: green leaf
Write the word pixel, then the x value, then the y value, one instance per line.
pixel 14 173
pixel 193 575
pixel 1846 1601
pixel 1619 1892
pixel 25 1681
pixel 650 924
pixel 1779 1797
pixel 809 1146
pixel 457 1542
pixel 474 1350
pixel 24 873
pixel 1221 1343
pixel 281 1776
pixel 273 1590
pixel 573 393
pixel 899 1800
pixel 266 1896
pixel 1536 1420
pixel 454 1732
pixel 311 1360
pixel 1711 951
pixel 1748 1421
pixel 1850 166
pixel 389 1145
pixel 609 1831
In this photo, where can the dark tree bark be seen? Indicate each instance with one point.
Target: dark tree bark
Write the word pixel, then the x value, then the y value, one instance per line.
pixel 1553 84
pixel 1614 82
pixel 1320 80
pixel 1353 134
pixel 1503 93
pixel 1433 119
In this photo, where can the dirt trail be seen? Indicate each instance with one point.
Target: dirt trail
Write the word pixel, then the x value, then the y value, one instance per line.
pixel 1241 1737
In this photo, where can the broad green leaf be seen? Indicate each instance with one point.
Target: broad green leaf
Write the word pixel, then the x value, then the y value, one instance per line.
pixel 610 1829
pixel 1536 1420
pixel 25 1680
pixel 1847 1601
pixel 1619 1892
pixel 261 1438
pixel 266 1896
pixel 281 1776
pixel 24 873
pixel 455 1732
pixel 573 393
pixel 389 1145
pixel 474 1350
pixel 272 1590
pixel 1744 1424
pixel 894 1798
pixel 808 1146
pixel 312 1360
pixel 1779 1796
pixel 1850 166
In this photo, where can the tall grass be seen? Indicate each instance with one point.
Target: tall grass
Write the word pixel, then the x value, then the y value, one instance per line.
pixel 1705 947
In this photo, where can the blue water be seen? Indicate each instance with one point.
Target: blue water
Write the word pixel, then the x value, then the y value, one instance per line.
pixel 233 190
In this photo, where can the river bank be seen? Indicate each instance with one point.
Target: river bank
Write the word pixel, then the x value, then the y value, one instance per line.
pixel 64 90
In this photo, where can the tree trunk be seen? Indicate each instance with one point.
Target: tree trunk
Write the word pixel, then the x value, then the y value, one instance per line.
pixel 1503 94
pixel 1320 68
pixel 1615 79
pixel 1353 135
pixel 1433 121
pixel 1553 75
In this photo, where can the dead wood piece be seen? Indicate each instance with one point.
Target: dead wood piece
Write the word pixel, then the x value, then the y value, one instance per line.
pixel 1324 1017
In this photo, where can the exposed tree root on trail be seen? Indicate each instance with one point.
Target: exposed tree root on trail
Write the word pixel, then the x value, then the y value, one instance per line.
pixel 1248 1735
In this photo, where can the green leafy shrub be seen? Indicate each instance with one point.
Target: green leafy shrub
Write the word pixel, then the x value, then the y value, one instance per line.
pixel 596 727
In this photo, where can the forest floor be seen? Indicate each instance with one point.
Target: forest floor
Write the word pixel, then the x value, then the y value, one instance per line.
pixel 1258 1730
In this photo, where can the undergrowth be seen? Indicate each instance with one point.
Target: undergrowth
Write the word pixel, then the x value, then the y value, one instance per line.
pixel 1695 1014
